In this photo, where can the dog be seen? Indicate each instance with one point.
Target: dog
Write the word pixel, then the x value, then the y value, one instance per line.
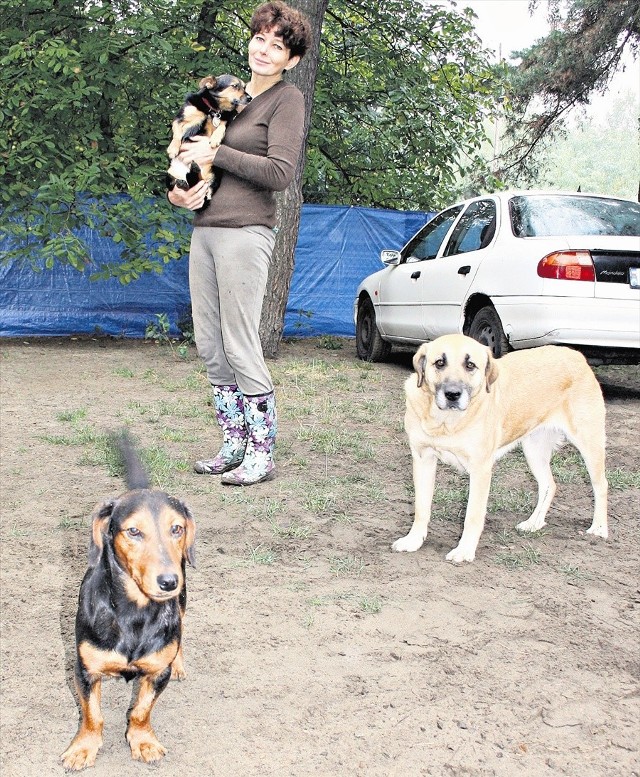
pixel 467 409
pixel 130 608
pixel 205 112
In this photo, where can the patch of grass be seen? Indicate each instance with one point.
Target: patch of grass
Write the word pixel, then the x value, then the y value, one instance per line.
pixel 337 442
pixel 82 435
pixel 514 500
pixel 567 466
pixel 503 537
pixel 620 479
pixel 72 416
pixel 575 573
pixel 294 530
pixel 163 409
pixel 124 372
pixel 19 530
pixel 261 555
pixel 178 435
pixel 522 559
pixel 449 502
pixel 370 604
pixel 342 518
pixel 330 343
pixel 346 565
pixel 68 522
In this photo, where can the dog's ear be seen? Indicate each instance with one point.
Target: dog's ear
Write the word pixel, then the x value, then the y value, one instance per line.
pixel 208 81
pixel 190 531
pixel 100 518
pixel 491 370
pixel 419 364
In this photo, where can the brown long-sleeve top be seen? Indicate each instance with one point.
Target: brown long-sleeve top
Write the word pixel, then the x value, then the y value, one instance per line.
pixel 259 154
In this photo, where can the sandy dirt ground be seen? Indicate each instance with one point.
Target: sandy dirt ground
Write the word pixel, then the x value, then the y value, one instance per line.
pixel 310 647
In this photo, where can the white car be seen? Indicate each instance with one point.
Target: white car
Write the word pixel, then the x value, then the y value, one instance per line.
pixel 512 270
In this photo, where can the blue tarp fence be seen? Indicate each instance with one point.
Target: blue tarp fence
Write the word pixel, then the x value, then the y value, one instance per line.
pixel 337 247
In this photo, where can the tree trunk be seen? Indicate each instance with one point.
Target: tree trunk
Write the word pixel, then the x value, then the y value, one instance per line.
pixel 289 202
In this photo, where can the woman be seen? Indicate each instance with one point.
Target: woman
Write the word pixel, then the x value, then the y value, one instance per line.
pixel 233 240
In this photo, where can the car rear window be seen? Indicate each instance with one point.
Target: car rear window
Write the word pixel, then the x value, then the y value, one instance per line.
pixel 557 215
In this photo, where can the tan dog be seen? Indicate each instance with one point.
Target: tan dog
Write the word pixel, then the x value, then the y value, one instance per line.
pixel 467 409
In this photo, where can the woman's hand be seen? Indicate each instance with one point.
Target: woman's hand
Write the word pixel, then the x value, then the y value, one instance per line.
pixel 192 199
pixel 197 150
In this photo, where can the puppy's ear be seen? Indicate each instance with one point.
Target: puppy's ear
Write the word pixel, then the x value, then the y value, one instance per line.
pixel 100 519
pixel 491 370
pixel 208 81
pixel 419 364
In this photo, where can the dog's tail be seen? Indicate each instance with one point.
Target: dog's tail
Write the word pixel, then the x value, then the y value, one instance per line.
pixel 134 472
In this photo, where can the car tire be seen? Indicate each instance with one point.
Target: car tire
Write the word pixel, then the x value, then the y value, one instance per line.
pixel 370 347
pixel 486 328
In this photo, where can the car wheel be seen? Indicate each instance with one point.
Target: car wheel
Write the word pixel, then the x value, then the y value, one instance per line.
pixel 486 328
pixel 370 347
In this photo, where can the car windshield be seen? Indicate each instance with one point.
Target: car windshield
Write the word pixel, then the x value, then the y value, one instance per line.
pixel 555 215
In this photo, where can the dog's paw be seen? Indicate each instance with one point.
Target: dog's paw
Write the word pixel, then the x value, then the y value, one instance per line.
pixel 81 753
pixel 409 543
pixel 531 524
pixel 460 554
pixel 144 746
pixel 598 531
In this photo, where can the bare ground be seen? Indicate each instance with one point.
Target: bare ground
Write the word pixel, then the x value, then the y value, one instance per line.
pixel 311 648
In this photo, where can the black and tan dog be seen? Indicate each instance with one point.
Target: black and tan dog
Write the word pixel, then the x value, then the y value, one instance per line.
pixel 205 112
pixel 130 609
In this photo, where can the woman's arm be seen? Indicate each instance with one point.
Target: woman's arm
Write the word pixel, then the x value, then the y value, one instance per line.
pixel 274 171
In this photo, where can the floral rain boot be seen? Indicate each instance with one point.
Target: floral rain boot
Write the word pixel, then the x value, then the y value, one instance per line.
pixel 229 406
pixel 261 422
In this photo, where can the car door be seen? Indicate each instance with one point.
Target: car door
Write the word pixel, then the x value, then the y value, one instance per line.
pixel 399 311
pixel 448 276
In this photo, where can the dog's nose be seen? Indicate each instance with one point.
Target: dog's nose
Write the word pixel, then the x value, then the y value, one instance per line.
pixel 452 396
pixel 167 582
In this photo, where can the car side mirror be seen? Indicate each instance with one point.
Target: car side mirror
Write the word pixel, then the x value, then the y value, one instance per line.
pixel 390 258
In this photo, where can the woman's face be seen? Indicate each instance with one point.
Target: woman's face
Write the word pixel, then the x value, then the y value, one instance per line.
pixel 268 56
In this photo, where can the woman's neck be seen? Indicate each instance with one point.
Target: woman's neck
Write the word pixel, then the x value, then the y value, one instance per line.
pixel 259 84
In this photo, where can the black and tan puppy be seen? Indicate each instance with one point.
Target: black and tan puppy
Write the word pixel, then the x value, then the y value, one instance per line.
pixel 205 112
pixel 130 609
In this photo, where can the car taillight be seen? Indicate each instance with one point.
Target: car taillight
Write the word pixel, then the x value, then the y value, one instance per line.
pixel 567 266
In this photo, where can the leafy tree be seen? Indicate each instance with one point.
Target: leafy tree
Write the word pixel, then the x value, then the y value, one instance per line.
pixel 401 95
pixel 89 91
pixel 562 71
pixel 594 155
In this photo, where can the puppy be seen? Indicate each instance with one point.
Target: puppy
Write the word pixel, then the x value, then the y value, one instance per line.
pixel 205 112
pixel 130 609
pixel 466 409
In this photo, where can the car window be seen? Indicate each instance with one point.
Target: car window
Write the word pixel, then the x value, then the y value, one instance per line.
pixel 557 215
pixel 426 243
pixel 475 230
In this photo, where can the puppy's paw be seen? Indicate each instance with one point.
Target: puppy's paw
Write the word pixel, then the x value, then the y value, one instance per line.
pixel 409 543
pixel 598 531
pixel 460 554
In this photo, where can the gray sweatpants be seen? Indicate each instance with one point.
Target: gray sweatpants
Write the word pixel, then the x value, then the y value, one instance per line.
pixel 228 270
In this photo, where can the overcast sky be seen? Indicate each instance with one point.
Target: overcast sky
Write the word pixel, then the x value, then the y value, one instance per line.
pixel 506 26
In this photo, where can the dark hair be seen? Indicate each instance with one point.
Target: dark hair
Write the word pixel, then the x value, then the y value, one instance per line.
pixel 291 24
